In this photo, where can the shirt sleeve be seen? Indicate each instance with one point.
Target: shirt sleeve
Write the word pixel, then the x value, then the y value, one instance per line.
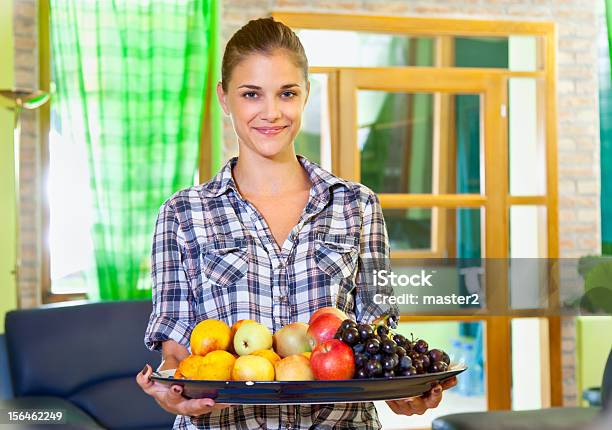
pixel 173 315
pixel 373 255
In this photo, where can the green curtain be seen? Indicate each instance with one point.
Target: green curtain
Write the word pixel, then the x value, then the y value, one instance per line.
pixel 131 78
pixel 605 129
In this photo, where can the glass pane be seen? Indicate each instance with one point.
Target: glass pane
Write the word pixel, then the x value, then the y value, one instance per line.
pixel 409 229
pixel 527 362
pixel 528 275
pixel 70 219
pixel 481 52
pixel 462 341
pixel 452 233
pixel 527 146
pixel 405 147
pixel 517 53
pixel 340 48
pixel 313 140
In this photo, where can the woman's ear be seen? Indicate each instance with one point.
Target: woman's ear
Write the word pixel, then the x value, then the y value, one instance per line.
pixel 222 98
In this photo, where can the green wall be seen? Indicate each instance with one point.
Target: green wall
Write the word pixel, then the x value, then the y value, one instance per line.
pixel 8 292
pixel 594 340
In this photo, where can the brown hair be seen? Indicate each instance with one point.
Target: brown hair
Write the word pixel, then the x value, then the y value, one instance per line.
pixel 263 36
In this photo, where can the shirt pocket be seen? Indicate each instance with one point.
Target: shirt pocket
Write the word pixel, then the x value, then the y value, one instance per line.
pixel 336 256
pixel 224 265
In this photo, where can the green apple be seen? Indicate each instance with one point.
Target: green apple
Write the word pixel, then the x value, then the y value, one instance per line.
pixel 252 337
pixel 291 339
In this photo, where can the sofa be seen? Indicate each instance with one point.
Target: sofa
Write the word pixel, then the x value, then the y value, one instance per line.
pixel 541 419
pixel 82 358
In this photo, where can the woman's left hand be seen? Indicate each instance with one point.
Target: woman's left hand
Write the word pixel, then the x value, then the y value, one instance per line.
pixel 418 405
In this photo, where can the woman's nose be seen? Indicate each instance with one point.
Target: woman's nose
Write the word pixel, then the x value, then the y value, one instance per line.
pixel 271 110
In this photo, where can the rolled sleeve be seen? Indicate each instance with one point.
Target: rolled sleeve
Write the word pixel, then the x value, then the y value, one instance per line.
pixel 373 255
pixel 173 315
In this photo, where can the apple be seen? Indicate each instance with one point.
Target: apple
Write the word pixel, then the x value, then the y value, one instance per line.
pixel 322 329
pixel 294 368
pixel 234 329
pixel 333 359
pixel 252 337
pixel 327 310
pixel 252 368
pixel 291 339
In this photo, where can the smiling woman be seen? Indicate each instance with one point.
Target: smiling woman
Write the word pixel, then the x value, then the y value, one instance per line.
pixel 285 236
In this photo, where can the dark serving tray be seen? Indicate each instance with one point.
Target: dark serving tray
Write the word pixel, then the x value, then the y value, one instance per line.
pixel 301 392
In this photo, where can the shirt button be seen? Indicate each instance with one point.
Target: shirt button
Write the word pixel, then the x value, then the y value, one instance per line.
pixel 283 299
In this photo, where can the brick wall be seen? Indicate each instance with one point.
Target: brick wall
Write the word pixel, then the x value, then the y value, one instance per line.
pixel 577 95
pixel 25 15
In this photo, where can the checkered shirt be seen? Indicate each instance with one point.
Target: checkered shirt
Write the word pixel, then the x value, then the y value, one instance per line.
pixel 215 257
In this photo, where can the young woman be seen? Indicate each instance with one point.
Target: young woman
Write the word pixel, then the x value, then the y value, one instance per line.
pixel 272 238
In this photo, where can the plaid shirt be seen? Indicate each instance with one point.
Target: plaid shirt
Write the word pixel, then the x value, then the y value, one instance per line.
pixel 215 257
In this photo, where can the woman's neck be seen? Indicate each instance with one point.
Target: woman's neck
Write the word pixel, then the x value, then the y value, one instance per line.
pixel 258 176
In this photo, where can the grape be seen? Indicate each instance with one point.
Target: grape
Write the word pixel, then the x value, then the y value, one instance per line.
pixel 405 362
pixel 388 346
pixel 374 368
pixel 421 346
pixel 389 363
pixel 382 330
pixel 400 351
pixel 426 361
pixel 438 366
pixel 350 336
pixel 414 355
pixel 435 355
pixel 399 339
pixel 372 346
pixel 381 352
pixel 361 374
pixel 348 323
pixel 411 371
pixel 360 359
pixel 365 331
pixel 418 365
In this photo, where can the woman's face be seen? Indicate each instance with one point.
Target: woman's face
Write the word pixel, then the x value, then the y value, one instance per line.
pixel 265 99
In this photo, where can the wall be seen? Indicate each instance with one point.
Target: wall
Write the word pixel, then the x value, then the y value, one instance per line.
pixel 8 292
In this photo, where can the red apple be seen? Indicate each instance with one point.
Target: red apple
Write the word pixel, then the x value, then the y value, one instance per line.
pixel 333 359
pixel 322 329
pixel 327 310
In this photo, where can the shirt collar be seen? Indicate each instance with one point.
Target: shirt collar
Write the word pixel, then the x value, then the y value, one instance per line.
pixel 321 180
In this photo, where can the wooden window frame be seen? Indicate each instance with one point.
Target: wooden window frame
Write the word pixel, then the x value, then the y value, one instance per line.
pixel 498 336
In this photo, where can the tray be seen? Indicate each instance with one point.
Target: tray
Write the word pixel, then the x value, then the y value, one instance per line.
pixel 307 392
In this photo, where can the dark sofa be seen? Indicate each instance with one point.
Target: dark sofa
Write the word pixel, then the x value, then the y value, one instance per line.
pixel 542 419
pixel 83 359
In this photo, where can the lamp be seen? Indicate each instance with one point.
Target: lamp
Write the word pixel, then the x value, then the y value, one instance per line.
pixel 16 101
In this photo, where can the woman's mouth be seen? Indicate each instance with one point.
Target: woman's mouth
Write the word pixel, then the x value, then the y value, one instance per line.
pixel 270 131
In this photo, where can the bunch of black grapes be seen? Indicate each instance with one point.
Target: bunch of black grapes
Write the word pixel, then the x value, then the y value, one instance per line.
pixel 381 353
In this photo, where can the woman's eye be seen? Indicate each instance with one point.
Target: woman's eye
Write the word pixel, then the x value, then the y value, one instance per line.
pixel 249 95
pixel 289 94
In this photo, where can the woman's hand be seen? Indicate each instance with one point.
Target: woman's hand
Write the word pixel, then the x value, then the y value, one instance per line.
pixel 171 400
pixel 418 405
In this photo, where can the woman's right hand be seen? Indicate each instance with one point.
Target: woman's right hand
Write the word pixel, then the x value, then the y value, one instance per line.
pixel 171 399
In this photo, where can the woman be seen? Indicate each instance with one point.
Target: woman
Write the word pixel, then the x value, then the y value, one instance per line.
pixel 272 237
